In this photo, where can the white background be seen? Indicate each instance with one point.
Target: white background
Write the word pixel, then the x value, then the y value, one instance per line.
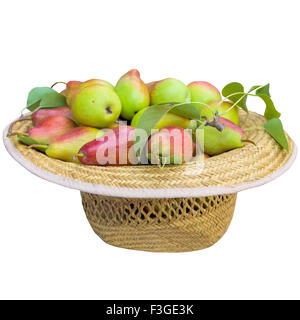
pixel 47 248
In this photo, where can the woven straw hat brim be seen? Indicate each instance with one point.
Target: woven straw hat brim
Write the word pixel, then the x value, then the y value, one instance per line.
pixel 227 173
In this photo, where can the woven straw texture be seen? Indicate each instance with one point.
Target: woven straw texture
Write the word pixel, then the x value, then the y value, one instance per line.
pixel 239 166
pixel 159 225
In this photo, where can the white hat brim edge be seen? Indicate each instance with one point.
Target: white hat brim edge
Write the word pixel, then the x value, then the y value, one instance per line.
pixel 140 192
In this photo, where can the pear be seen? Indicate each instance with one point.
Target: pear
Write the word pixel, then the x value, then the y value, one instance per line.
pixel 96 106
pixel 113 148
pixel 230 124
pixel 72 85
pixel 169 119
pixel 133 93
pixel 203 92
pixel 65 146
pixel 216 142
pixel 71 89
pixel 232 114
pixel 49 128
pixel 169 90
pixel 170 145
pixel 95 81
pixel 41 114
pixel 151 85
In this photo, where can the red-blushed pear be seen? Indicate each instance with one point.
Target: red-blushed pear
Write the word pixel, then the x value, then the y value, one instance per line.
pixel 170 145
pixel 64 92
pixel 71 89
pixel 96 106
pixel 203 92
pixel 41 114
pixel 169 90
pixel 72 84
pixel 115 147
pixel 133 93
pixel 232 125
pixel 65 146
pixel 49 128
pixel 216 141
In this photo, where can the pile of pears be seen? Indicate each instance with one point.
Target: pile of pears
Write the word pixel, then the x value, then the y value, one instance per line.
pixel 76 132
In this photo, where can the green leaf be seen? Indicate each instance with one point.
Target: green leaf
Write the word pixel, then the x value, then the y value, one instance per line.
pixel 265 90
pixel 234 92
pixel 253 88
pixel 43 98
pixel 186 110
pixel 152 115
pixel 35 95
pixel 26 140
pixel 262 90
pixel 183 109
pixel 275 129
pixel 270 111
pixel 53 100
pixel 29 141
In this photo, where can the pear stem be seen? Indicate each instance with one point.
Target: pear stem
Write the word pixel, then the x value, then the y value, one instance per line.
pixel 215 123
pixel 42 146
pixel 250 141
pixel 80 155
pixel 54 84
pixel 76 156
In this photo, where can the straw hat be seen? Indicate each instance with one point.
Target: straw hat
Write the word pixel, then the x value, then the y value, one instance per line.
pixel 201 213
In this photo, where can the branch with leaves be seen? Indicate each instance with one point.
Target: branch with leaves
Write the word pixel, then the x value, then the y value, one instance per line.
pixel 234 92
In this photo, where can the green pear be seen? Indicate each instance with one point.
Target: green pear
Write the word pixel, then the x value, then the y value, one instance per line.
pixel 203 92
pixel 169 90
pixel 151 85
pixel 169 119
pixel 91 82
pixel 216 142
pixel 224 109
pixel 73 87
pixel 133 93
pixel 96 106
